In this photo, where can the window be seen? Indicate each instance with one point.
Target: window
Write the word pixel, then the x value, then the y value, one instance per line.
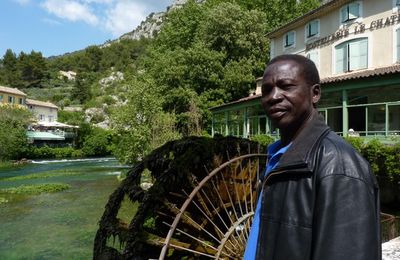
pixel 21 101
pixel 1 97
pixel 396 5
pixel 313 55
pixel 289 39
pixel 312 29
pixel 10 99
pixel 51 118
pixel 398 45
pixel 352 55
pixel 350 12
pixel 41 117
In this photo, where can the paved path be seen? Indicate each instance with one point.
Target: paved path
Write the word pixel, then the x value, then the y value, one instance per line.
pixel 391 249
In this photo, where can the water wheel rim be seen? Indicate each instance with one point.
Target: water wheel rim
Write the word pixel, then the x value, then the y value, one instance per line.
pixel 184 206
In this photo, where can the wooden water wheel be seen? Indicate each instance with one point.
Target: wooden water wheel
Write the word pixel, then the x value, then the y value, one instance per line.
pixel 190 212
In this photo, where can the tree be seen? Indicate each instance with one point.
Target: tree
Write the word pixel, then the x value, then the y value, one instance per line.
pixel 141 125
pixel 82 88
pixel 9 69
pixel 32 68
pixel 13 139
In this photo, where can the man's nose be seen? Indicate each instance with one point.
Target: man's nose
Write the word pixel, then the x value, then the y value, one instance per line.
pixel 276 94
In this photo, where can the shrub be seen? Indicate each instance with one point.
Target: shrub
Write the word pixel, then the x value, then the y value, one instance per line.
pixel 264 140
pixel 98 143
pixel 384 159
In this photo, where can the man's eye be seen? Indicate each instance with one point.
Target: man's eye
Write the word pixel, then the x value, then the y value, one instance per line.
pixel 266 89
pixel 286 86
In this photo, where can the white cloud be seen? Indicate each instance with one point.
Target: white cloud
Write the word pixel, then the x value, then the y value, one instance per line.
pixel 124 16
pixel 70 10
pixel 99 1
pixel 51 21
pixel 22 2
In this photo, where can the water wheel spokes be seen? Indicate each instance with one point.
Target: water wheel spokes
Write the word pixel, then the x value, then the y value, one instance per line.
pixel 215 219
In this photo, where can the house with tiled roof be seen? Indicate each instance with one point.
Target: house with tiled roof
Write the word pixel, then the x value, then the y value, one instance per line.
pixel 12 96
pixel 356 48
pixel 44 111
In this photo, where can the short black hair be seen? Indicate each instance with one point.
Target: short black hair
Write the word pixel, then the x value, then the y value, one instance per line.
pixel 310 71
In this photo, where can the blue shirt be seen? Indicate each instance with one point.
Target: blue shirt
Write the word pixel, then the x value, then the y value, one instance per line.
pixel 274 154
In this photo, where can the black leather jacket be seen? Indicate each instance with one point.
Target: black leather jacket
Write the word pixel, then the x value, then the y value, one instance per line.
pixel 320 202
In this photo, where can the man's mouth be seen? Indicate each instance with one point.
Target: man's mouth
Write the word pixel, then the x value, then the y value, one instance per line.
pixel 276 112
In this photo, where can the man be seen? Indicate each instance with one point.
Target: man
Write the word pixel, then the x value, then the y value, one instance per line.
pixel 319 199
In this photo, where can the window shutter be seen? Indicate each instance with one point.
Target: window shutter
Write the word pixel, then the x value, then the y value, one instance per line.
pixel 354 10
pixel 398 44
pixel 314 28
pixel 358 57
pixel 344 14
pixel 291 38
pixel 314 57
pixel 341 58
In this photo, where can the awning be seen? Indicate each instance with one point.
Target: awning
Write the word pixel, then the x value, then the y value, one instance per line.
pixel 55 124
pixel 43 136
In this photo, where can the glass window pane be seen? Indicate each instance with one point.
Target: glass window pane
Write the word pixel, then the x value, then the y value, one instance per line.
pixel 357 119
pixel 314 27
pixel 314 57
pixel 354 10
pixel 344 14
pixel 335 119
pixel 374 95
pixel 398 44
pixel 341 60
pixel 289 39
pixel 263 124
pixel 394 119
pixel 253 126
pixel 358 54
pixel 376 118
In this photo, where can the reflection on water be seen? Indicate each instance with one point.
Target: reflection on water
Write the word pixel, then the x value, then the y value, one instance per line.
pixel 58 225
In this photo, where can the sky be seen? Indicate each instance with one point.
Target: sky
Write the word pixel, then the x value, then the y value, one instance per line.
pixel 55 27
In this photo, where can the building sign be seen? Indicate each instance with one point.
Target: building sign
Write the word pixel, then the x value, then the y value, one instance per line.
pixel 358 29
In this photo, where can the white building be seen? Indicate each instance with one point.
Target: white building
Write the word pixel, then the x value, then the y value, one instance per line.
pixel 44 111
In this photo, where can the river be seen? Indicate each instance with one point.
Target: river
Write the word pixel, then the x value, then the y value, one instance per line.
pixel 59 225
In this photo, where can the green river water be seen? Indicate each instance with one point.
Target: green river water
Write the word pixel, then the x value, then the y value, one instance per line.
pixel 59 225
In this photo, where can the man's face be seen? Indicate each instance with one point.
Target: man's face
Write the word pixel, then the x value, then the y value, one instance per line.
pixel 286 96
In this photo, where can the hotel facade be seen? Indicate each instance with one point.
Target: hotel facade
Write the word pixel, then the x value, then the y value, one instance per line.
pixel 356 48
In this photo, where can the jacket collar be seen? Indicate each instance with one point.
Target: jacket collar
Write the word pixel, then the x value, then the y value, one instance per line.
pixel 300 153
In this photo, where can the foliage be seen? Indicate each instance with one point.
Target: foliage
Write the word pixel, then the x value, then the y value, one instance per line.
pixel 36 189
pixel 43 175
pixel 97 143
pixel 264 140
pixel 71 118
pixel 13 140
pixel 384 159
pixel 46 152
pixel 141 125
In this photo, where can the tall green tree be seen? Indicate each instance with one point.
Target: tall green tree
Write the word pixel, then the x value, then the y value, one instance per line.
pixel 141 125
pixel 13 139
pixel 32 68
pixel 9 69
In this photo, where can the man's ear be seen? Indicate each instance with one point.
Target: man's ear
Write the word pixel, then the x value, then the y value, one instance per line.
pixel 316 93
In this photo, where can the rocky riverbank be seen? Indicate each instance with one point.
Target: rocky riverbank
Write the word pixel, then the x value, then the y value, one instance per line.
pixel 391 249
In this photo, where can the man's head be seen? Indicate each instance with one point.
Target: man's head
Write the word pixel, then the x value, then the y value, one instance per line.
pixel 290 92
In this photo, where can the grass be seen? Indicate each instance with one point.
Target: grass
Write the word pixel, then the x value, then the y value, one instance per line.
pixel 41 175
pixel 6 164
pixel 36 189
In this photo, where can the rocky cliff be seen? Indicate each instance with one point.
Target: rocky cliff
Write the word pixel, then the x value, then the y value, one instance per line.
pixel 152 25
